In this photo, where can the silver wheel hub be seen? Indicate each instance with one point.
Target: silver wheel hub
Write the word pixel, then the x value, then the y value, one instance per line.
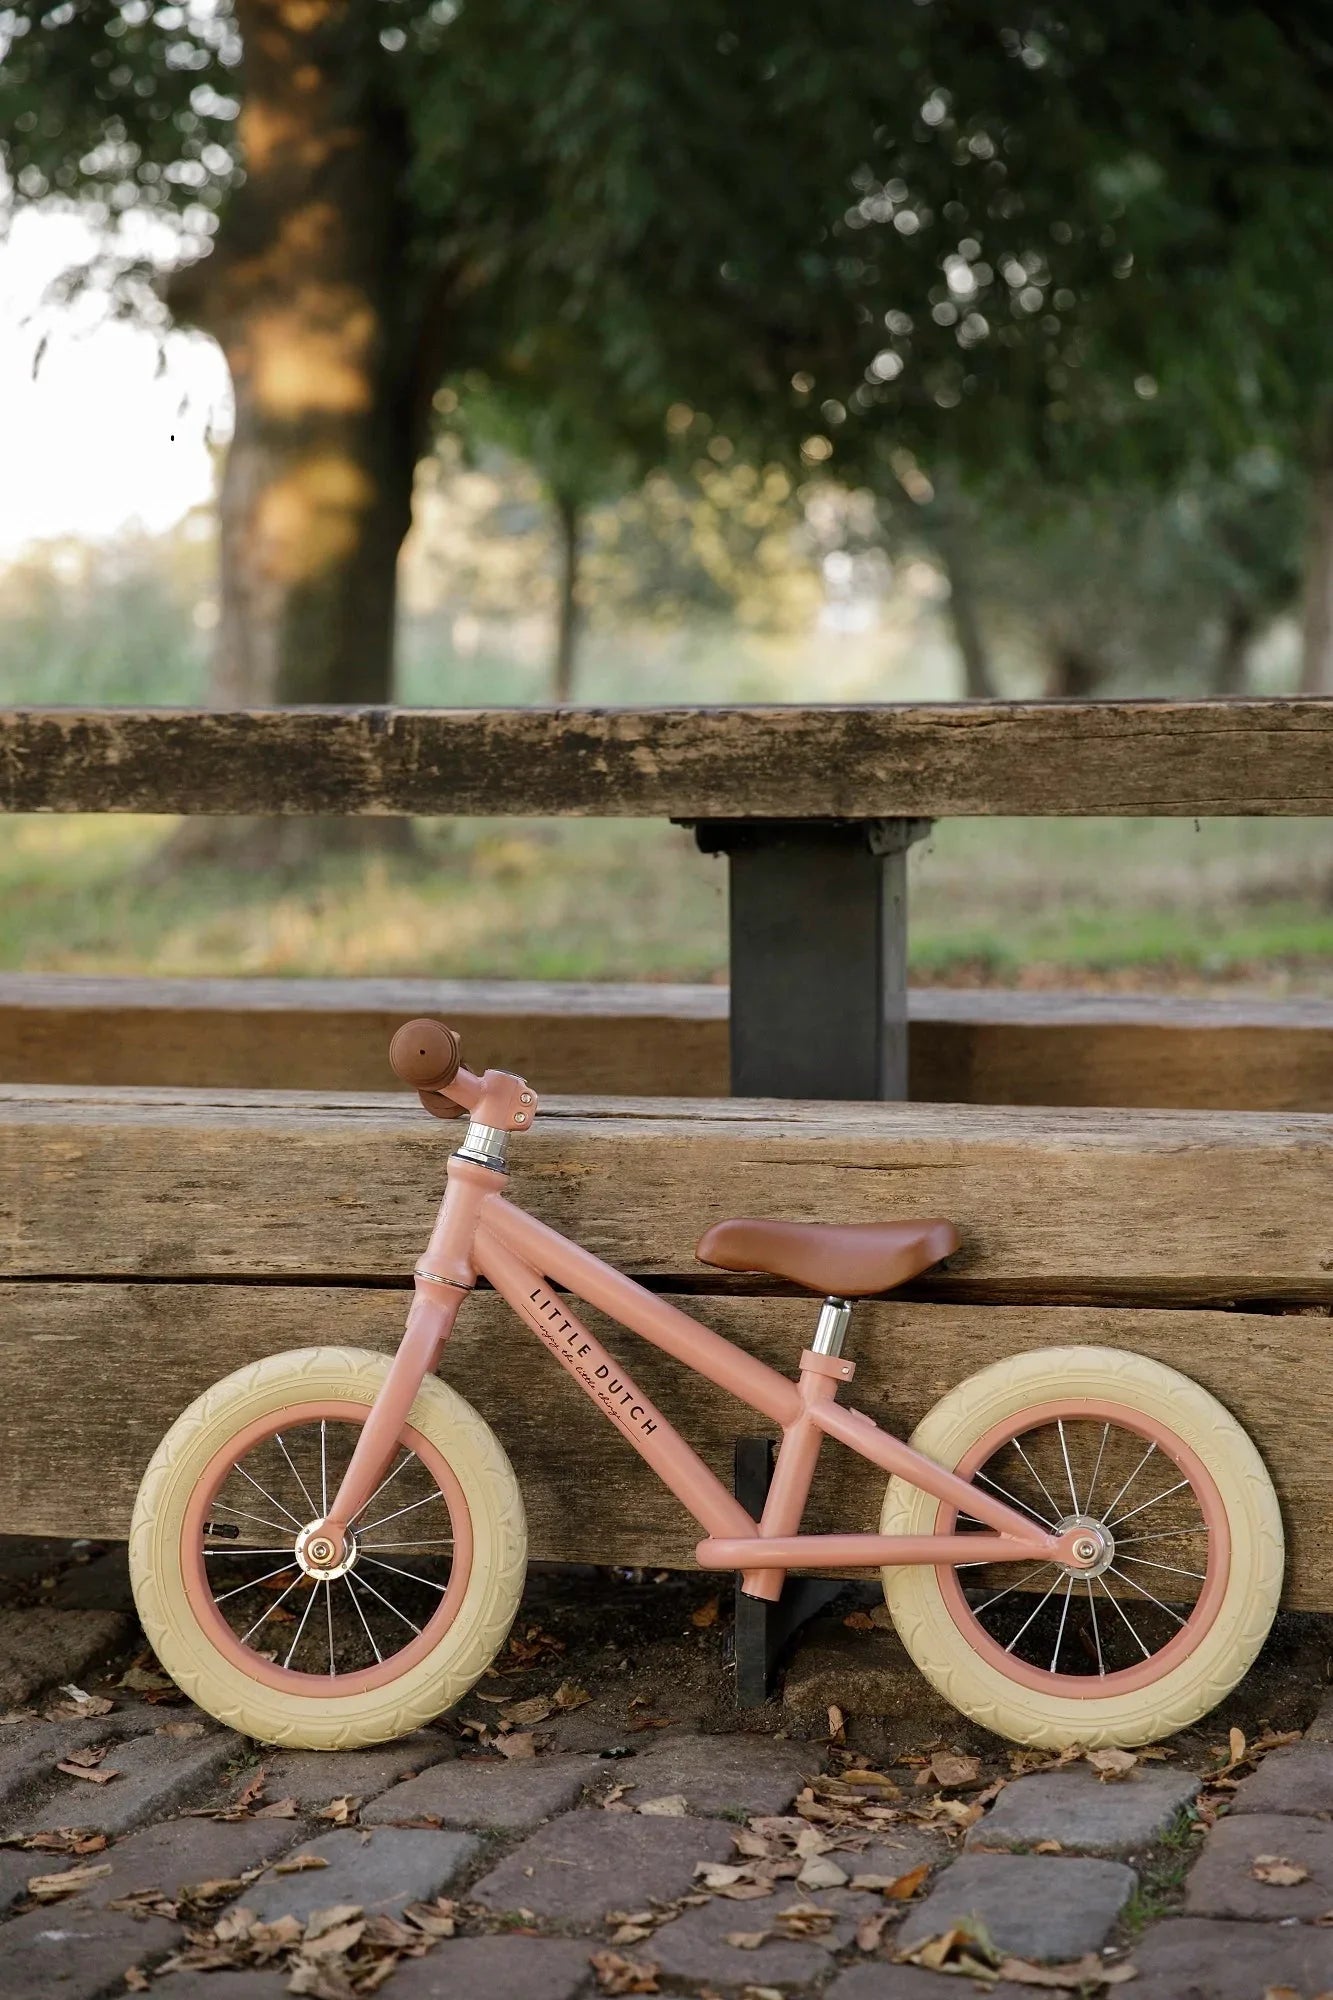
pixel 314 1549
pixel 1094 1541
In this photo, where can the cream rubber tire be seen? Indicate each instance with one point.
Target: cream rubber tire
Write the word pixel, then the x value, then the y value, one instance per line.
pixel 336 1721
pixel 1227 1649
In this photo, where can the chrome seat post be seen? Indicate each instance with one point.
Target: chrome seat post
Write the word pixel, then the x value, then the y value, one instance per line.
pixel 834 1319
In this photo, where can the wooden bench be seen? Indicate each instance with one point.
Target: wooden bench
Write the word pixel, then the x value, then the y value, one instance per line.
pixel 158 1238
pixel 967 1047
pixel 815 809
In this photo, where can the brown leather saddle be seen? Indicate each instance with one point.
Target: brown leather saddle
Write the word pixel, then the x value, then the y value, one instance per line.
pixel 843 1261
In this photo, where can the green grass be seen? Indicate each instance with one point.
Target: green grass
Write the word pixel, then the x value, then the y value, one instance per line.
pixel 1124 902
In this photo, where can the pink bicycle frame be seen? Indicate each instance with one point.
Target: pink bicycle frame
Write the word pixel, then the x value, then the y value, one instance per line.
pixel 478 1233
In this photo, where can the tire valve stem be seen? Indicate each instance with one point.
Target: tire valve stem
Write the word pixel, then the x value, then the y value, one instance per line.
pixel 227 1529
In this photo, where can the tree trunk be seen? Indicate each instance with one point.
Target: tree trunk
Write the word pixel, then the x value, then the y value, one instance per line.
pixel 311 296
pixel 569 518
pixel 1075 673
pixel 964 609
pixel 1317 633
pixel 1233 652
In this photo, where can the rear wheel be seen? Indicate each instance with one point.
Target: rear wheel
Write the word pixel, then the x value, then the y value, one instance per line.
pixel 248 1626
pixel 1190 1560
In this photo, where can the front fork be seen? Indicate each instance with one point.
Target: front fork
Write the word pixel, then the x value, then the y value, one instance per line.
pixel 430 1322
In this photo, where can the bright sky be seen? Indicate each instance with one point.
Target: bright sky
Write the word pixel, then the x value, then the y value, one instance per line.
pixel 98 440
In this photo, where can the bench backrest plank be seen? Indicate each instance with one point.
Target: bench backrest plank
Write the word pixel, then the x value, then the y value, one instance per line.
pixel 917 760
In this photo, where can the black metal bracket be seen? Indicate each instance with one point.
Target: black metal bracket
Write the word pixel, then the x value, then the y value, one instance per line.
pixel 764 1630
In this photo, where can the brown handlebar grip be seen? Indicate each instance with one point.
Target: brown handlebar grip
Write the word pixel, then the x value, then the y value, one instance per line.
pixel 426 1054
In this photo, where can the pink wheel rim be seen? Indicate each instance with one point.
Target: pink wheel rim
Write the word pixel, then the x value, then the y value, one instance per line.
pixel 1126 1680
pixel 199 1593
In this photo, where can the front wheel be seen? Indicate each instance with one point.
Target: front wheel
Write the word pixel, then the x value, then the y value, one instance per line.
pixel 426 1593
pixel 1184 1589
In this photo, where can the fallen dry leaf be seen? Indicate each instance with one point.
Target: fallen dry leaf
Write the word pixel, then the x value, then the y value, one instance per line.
pixel 1082 1974
pixel 95 1774
pixel 51 1888
pixel 58 1840
pixel 952 1771
pixel 136 1980
pixel 143 1680
pixel 747 1940
pixel 522 1743
pixel 671 1806
pixel 297 1864
pixel 180 1732
pixel 1049 1847
pixel 279 1809
pixel 821 1873
pixel 339 1812
pixel 1277 1872
pixel 859 1621
pixel 535 1709
pixel 965 1947
pixel 870 1930
pixel 904 1887
pixel 618 1974
pixel 1112 1765
pixel 705 1615
pixel 435 1920
pixel 837 1724
pixel 78 1703
pixel 570 1695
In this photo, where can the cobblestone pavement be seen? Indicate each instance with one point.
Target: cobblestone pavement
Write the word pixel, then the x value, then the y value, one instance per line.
pixel 583 1826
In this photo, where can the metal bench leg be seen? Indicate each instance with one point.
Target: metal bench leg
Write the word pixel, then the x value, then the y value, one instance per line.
pixel 763 1630
pixel 818 915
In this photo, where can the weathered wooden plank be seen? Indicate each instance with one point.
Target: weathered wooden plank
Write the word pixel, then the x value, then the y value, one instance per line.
pixel 91 1375
pixel 967 1046
pixel 333 1034
pixel 888 760
pixel 1079 1204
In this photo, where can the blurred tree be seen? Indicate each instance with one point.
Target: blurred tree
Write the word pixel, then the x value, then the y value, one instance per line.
pixel 1002 237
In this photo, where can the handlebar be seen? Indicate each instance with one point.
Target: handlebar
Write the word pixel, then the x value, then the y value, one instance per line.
pixel 426 1054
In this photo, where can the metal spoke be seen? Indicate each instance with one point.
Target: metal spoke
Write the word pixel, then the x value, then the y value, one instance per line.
pixel 1145 1593
pixel 309 1607
pixel 1050 1497
pixel 387 1481
pixel 295 1474
pixel 977 1609
pixel 254 1582
pixel 1147 1503
pixel 409 1573
pixel 1162 1535
pixel 1031 1615
pixel 1064 1613
pixel 1096 1470
pixel 1064 1453
pixel 323 1468
pixel 436 1542
pixel 362 1616
pixel 230 1549
pixel 1132 1633
pixel 298 1525
pixel 388 1603
pixel 1005 1494
pixel 1096 1631
pixel 299 1578
pixel 1128 1483
pixel 328 1606
pixel 225 1507
pixel 1199 1575
pixel 411 1508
